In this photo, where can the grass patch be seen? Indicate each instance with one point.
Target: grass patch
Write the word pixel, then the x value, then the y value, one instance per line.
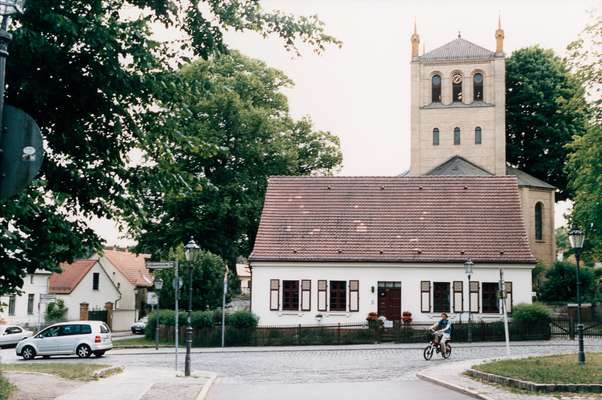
pixel 5 388
pixel 82 372
pixel 140 341
pixel 549 369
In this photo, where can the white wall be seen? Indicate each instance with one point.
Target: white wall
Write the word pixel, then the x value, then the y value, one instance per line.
pixel 35 284
pixel 369 275
pixel 128 291
pixel 83 293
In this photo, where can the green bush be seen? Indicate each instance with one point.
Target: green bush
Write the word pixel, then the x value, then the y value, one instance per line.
pixel 242 319
pixel 531 314
pixel 56 311
pixel 560 284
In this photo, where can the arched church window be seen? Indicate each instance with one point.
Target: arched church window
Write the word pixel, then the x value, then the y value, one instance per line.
pixel 436 89
pixel 436 137
pixel 477 135
pixel 456 136
pixel 477 85
pixel 457 87
pixel 539 221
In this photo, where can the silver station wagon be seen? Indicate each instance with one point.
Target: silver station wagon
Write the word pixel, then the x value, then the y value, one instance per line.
pixel 83 338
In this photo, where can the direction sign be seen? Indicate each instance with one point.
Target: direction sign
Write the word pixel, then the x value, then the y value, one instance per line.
pixel 180 281
pixel 152 299
pixel 47 297
pixel 160 264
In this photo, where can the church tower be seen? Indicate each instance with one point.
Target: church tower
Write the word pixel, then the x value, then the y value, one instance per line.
pixel 458 105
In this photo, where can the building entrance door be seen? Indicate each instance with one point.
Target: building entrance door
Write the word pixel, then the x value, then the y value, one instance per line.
pixel 389 300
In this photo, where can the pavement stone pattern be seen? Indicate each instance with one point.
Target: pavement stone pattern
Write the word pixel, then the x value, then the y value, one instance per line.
pixel 31 386
pixel 452 374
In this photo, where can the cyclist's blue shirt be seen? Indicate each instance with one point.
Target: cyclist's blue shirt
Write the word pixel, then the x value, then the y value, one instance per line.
pixel 444 324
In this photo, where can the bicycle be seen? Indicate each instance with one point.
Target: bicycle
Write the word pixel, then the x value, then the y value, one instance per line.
pixel 433 347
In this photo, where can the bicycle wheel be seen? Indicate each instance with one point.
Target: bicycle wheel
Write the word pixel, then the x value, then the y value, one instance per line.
pixel 448 351
pixel 428 352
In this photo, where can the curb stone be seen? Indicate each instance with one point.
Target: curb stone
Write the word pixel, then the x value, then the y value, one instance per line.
pixel 107 371
pixel 207 386
pixel 451 386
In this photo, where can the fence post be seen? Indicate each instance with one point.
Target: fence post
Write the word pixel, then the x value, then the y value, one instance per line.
pixel 339 333
pixel 571 329
pixel 299 334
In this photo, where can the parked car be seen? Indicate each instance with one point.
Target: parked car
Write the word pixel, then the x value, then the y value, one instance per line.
pixel 10 335
pixel 140 326
pixel 83 338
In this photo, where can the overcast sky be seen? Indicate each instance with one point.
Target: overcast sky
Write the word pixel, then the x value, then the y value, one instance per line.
pixel 360 92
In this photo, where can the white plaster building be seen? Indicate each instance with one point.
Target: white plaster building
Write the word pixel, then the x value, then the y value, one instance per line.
pixel 26 308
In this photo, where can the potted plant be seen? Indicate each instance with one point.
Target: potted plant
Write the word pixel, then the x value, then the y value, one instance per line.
pixel 406 317
pixel 373 321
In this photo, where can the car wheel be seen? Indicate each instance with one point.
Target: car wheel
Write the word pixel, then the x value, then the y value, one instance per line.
pixel 83 351
pixel 99 353
pixel 28 353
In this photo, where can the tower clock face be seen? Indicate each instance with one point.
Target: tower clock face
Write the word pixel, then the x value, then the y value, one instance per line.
pixel 457 78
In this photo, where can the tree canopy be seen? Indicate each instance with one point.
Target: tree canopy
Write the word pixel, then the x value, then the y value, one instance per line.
pixel 90 72
pixel 211 148
pixel 545 108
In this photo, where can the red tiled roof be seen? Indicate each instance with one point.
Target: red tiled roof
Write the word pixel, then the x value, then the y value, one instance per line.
pixel 392 219
pixel 131 265
pixel 70 277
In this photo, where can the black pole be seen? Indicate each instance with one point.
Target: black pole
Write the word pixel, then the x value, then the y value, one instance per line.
pixel 469 313
pixel 188 323
pixel 581 354
pixel 157 325
pixel 5 39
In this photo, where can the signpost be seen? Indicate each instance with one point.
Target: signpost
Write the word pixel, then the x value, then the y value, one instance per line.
pixel 502 297
pixel 160 264
pixel 44 299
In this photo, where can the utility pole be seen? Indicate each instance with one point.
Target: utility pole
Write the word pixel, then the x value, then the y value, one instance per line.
pixel 502 295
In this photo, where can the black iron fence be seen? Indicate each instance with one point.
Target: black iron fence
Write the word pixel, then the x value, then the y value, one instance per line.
pixel 336 334
pixel 567 328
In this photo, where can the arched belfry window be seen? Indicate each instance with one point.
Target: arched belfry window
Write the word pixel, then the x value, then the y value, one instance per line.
pixel 436 137
pixel 456 136
pixel 436 89
pixel 478 135
pixel 477 84
pixel 457 87
pixel 538 221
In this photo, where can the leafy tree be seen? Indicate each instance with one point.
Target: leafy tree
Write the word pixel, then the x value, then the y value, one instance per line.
pixel 90 72
pixel 225 131
pixel 561 283
pixel 207 282
pixel 584 166
pixel 56 311
pixel 545 107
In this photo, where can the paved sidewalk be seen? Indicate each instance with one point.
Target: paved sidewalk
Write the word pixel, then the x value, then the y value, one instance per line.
pixel 144 384
pixel 451 375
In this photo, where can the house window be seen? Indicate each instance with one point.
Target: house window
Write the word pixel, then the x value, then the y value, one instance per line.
pixel 274 294
pixel 436 137
pixel 489 298
pixel 338 296
pixel 436 89
pixel 425 296
pixel 457 87
pixel 31 279
pixel 290 295
pixel 474 296
pixel 305 295
pixel 478 139
pixel 477 84
pixel 441 296
pixel 322 295
pixel 354 296
pixel 30 300
pixel 539 221
pixel 457 136
pixel 11 304
pixel 458 296
pixel 508 287
pixel 95 278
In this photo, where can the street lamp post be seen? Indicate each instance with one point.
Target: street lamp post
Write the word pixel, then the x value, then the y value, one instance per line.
pixel 191 250
pixel 158 286
pixel 577 237
pixel 468 264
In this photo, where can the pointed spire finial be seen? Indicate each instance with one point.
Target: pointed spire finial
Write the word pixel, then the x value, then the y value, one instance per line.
pixel 415 26
pixel 459 35
pixel 499 20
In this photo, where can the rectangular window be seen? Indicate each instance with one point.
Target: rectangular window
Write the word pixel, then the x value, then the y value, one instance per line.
pixel 508 286
pixel 458 296
pixel 338 296
pixel 425 296
pixel 354 296
pixel 306 295
pixel 474 297
pixel 30 300
pixel 290 295
pixel 12 300
pixel 489 298
pixel 95 278
pixel 441 297
pixel 31 278
pixel 322 296
pixel 274 294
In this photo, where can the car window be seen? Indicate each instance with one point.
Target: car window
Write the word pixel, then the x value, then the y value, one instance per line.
pixel 11 330
pixel 50 332
pixel 85 329
pixel 104 329
pixel 68 330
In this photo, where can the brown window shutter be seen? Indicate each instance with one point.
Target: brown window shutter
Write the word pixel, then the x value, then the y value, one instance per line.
pixel 425 296
pixel 306 295
pixel 274 294
pixel 322 285
pixel 458 296
pixel 354 296
pixel 475 298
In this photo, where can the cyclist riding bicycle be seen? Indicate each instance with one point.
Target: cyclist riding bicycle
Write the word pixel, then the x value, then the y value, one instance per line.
pixel 443 330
